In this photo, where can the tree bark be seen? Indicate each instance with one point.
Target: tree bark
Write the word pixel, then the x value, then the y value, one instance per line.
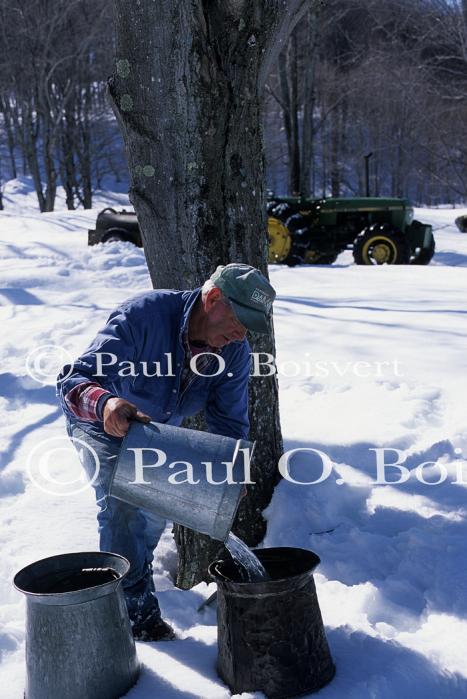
pixel 186 91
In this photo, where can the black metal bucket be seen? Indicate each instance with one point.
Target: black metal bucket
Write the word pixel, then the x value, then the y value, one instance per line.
pixel 270 634
pixel 79 643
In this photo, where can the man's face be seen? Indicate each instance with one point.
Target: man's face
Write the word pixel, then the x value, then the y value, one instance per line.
pixel 222 325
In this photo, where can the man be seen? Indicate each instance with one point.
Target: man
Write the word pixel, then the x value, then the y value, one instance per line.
pixel 161 356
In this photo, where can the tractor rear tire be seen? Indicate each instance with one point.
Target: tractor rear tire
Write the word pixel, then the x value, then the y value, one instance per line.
pixel 280 240
pixel 302 253
pixel 293 261
pixel 381 244
pixel 299 231
pixel 296 222
pixel 280 210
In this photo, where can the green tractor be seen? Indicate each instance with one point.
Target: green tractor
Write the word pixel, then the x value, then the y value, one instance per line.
pixel 379 231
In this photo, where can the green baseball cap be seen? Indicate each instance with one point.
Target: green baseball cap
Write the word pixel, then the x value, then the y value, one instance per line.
pixel 249 292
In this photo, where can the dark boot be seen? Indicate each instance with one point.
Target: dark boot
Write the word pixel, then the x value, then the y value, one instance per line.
pixel 159 631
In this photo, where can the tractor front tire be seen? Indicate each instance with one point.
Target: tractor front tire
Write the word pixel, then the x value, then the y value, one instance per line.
pixel 425 255
pixel 381 244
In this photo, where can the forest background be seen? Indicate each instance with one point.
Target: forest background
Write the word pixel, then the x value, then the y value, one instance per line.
pixel 356 79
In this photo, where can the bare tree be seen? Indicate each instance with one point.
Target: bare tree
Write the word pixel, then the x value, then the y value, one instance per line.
pixel 390 78
pixel 53 58
pixel 288 79
pixel 298 91
pixel 354 76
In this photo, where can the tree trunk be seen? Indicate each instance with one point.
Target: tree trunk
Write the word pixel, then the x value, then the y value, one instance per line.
pixel 84 154
pixel 67 142
pixel 335 167
pixel 186 92
pixel 286 111
pixel 294 108
pixel 288 78
pixel 308 104
pixel 1 187
pixel 31 137
pixel 20 129
pixel 5 109
pixel 49 167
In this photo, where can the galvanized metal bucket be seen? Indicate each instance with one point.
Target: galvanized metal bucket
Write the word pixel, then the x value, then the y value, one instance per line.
pixel 79 642
pixel 271 636
pixel 182 475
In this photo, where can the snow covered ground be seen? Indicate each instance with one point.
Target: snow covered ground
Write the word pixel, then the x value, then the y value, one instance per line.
pixel 393 579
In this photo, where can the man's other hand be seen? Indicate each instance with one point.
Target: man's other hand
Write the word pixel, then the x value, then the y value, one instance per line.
pixel 117 416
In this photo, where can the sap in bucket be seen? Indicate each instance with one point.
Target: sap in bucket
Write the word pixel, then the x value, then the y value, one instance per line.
pixel 187 476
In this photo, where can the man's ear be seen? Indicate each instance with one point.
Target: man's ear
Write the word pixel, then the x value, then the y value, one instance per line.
pixel 213 296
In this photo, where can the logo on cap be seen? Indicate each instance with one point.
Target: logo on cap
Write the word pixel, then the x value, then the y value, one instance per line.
pixel 262 298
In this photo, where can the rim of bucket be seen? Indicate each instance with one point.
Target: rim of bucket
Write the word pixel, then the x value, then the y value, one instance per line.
pixel 267 584
pixel 82 594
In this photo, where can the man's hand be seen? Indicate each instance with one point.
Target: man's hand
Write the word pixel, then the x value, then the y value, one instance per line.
pixel 117 416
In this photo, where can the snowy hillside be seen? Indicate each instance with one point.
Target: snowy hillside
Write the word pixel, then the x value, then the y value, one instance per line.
pixel 367 358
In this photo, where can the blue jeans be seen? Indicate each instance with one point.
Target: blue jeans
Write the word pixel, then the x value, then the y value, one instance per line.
pixel 123 528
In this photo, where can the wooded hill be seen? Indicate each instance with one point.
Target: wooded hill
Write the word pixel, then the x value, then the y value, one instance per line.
pixel 355 77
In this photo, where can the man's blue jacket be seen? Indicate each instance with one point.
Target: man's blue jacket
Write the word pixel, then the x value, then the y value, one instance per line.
pixel 148 328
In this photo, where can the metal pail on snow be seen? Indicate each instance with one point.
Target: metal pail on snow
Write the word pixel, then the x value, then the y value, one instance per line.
pixel 79 642
pixel 200 496
pixel 270 634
